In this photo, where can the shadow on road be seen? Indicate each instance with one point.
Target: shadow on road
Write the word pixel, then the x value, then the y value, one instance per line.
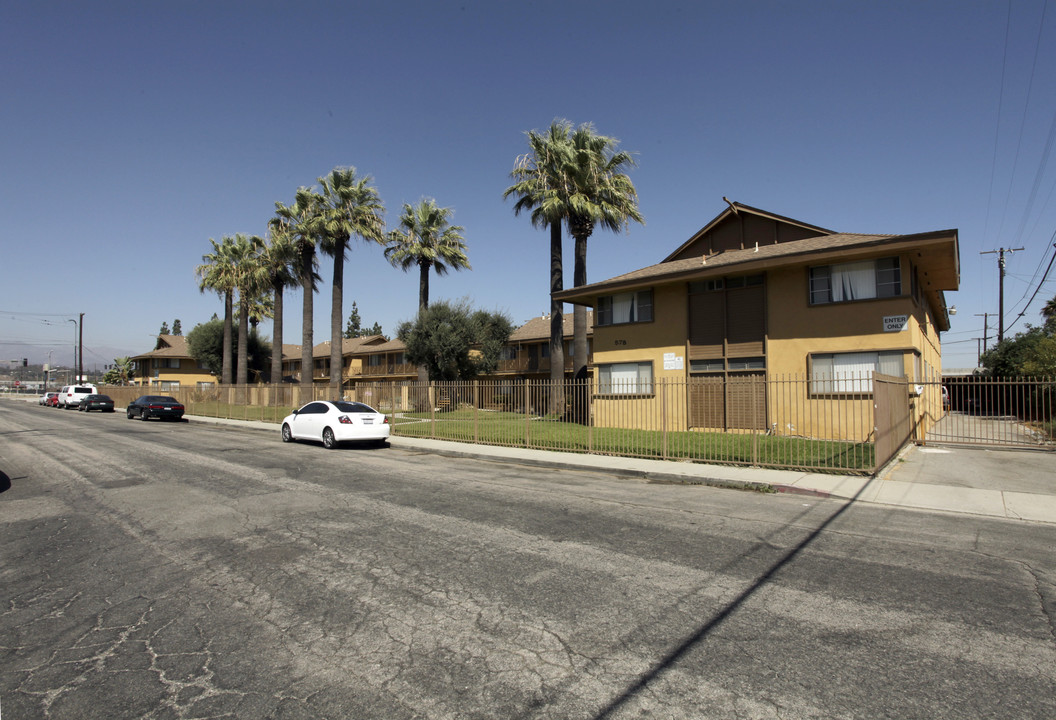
pixel 5 482
pixel 697 637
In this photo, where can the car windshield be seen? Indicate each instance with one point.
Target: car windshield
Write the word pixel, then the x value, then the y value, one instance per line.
pixel 159 399
pixel 104 398
pixel 353 407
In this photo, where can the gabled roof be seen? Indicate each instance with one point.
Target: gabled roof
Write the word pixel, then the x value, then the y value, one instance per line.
pixel 394 345
pixel 736 209
pixel 349 346
pixel 167 346
pixel 538 328
pixel 944 271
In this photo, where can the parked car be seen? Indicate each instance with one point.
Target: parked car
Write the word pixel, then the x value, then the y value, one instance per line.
pixel 53 400
pixel 159 406
pixel 945 398
pixel 336 422
pixel 71 395
pixel 97 402
pixel 45 399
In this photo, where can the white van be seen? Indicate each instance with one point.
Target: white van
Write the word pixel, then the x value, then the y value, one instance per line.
pixel 71 395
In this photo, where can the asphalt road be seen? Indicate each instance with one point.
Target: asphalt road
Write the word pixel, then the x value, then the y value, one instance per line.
pixel 164 570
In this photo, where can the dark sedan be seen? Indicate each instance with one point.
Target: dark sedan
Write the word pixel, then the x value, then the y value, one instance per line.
pixel 103 403
pixel 158 406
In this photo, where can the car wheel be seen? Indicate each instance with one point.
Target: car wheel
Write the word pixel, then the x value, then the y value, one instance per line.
pixel 143 414
pixel 329 442
pixel 128 413
pixel 287 434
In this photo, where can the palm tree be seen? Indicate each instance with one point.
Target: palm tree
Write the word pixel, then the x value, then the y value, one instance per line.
pixel 348 206
pixel 299 224
pixel 1049 312
pixel 277 259
pixel 539 188
pixel 218 274
pixel 599 193
pixel 428 241
pixel 249 276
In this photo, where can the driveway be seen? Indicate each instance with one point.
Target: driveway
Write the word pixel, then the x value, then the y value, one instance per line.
pixel 979 468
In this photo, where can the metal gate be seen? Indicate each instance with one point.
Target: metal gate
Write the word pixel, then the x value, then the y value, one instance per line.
pixel 994 412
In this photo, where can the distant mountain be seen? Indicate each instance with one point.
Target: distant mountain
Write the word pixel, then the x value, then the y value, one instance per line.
pixel 62 355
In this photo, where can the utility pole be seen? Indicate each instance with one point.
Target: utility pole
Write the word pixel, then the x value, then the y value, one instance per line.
pixel 80 349
pixel 1000 287
pixel 986 329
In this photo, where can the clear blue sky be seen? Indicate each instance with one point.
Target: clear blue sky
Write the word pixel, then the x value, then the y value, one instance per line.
pixel 135 132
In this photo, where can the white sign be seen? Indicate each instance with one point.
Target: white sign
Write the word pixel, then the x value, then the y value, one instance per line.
pixel 895 323
pixel 673 362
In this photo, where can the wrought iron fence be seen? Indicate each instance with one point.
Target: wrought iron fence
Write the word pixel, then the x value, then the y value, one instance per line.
pixel 846 424
pixel 999 412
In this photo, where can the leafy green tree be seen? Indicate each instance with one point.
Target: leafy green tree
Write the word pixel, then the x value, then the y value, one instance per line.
pixel 355 328
pixel 177 328
pixel 219 275
pixel 352 329
pixel 442 336
pixel 205 342
pixel 347 207
pixel 1031 353
pixel 298 224
pixel 164 330
pixel 538 187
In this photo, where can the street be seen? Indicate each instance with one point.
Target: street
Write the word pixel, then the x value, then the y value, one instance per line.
pixel 183 570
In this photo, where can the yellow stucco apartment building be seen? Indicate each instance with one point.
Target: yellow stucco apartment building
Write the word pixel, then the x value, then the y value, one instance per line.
pixel 757 295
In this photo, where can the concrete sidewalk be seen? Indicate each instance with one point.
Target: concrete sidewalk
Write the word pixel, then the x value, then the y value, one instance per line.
pixel 1017 485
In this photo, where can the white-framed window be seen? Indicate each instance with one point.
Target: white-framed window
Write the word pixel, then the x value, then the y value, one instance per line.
pixel 630 378
pixel 852 372
pixel 630 307
pixel 862 280
pixel 170 384
pixel 204 385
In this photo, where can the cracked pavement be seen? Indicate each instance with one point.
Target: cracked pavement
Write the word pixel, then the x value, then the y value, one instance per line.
pixel 156 570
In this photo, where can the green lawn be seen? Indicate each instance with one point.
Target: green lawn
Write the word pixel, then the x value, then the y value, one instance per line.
pixel 500 428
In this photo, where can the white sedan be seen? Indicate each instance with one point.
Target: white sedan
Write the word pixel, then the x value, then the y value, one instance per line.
pixel 336 422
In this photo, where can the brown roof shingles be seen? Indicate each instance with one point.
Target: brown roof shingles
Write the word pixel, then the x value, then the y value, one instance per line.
pixel 725 261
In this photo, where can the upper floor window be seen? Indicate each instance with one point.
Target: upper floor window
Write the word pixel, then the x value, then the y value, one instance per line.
pixel 628 307
pixel 855 281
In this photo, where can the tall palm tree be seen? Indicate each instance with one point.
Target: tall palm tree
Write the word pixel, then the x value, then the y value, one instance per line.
pixel 299 223
pixel 539 188
pixel 277 258
pixel 599 193
pixel 249 282
pixel 219 275
pixel 348 206
pixel 428 241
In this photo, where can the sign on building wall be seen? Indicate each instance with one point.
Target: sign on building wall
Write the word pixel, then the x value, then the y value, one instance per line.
pixel 895 323
pixel 673 361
